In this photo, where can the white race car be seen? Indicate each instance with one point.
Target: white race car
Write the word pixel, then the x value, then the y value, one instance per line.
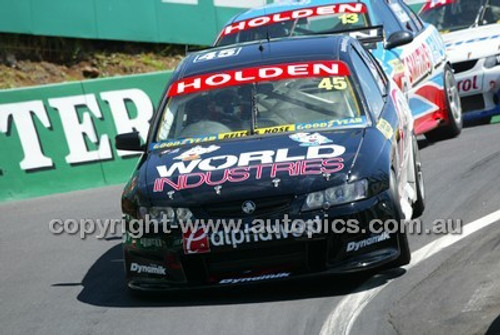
pixel 471 32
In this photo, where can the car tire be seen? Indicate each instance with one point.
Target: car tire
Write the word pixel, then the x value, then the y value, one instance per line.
pixel 404 248
pixel 405 253
pixel 454 108
pixel 419 205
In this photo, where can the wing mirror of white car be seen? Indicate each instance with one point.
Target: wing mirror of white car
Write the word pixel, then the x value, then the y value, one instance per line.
pixel 398 38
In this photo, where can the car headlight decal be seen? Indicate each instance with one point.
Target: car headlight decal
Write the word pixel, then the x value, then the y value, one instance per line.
pixel 337 195
pixel 314 200
pixel 167 213
pixel 492 61
pixel 184 214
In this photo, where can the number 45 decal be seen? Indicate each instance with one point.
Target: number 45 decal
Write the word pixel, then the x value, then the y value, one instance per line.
pixel 337 83
pixel 217 54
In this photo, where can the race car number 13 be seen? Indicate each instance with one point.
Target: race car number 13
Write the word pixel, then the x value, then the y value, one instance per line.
pixel 349 18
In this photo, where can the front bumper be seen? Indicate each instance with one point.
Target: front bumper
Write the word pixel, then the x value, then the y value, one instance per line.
pixel 479 89
pixel 158 262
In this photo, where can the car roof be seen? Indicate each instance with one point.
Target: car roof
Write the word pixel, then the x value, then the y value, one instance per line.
pixel 285 50
pixel 283 6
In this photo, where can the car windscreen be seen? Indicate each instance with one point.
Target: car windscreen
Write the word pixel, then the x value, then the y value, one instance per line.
pixel 299 22
pixel 452 15
pixel 257 101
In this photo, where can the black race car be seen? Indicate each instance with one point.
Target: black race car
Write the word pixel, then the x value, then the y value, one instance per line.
pixel 268 161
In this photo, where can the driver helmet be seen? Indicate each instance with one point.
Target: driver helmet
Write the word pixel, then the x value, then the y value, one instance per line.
pixel 226 102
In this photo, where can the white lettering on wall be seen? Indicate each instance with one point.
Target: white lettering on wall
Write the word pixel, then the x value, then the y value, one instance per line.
pixel 117 101
pixel 76 132
pixel 22 115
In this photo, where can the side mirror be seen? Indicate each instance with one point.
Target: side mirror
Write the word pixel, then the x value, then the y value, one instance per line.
pixel 398 39
pixel 129 142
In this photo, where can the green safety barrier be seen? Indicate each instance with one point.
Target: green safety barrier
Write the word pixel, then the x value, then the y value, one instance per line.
pixel 59 138
pixel 161 21
pixel 416 5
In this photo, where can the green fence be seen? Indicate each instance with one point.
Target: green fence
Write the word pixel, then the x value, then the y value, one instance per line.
pixel 58 138
pixel 164 21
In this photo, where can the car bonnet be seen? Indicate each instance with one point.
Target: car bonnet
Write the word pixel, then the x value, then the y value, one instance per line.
pixel 263 166
pixel 473 43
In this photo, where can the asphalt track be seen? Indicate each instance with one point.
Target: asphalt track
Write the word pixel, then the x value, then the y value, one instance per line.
pixel 64 285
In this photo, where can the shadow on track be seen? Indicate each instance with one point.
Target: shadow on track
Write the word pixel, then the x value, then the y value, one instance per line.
pixel 104 285
pixel 423 143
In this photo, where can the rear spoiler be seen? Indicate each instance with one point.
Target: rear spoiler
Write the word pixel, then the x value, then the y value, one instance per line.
pixel 368 36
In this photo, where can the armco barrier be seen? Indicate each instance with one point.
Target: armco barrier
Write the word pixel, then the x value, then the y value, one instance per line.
pixel 58 138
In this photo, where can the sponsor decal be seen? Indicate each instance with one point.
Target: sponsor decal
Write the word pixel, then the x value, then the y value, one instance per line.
pixel 195 242
pixel 144 243
pixel 201 239
pixel 148 243
pixel 212 81
pixel 329 124
pixel 253 279
pixel 396 70
pixel 436 46
pixel 234 134
pixel 151 269
pixel 322 124
pixel 183 141
pixel 403 113
pixel 397 66
pixel 196 152
pixel 385 128
pixel 419 63
pixel 402 109
pixel 274 130
pixel 345 8
pixel 308 140
pixel 317 160
pixel 355 246
pixel 468 85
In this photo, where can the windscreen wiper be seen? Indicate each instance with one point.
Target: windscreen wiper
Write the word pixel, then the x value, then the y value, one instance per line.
pixel 255 110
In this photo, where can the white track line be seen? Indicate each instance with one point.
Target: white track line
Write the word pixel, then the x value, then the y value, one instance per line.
pixel 343 317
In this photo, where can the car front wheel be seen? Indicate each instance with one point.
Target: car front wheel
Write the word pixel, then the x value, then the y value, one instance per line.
pixel 454 107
